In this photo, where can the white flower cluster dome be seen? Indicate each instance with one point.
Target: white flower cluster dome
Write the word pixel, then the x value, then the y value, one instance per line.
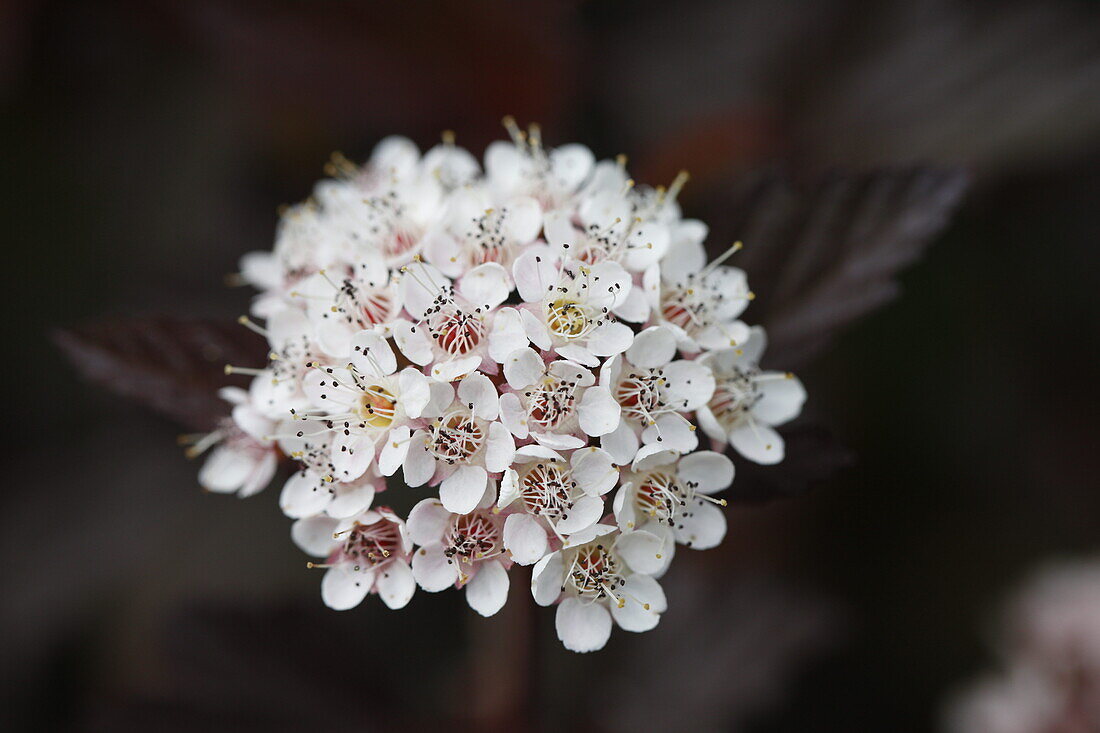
pixel 528 351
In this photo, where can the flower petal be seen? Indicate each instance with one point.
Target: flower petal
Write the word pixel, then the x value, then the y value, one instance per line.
pixel 523 367
pixel 644 602
pixel 525 538
pixel 610 339
pixel 757 442
pixel 642 551
pixel 594 471
pixel 304 493
pixel 486 285
pixel 371 354
pixel 488 591
pixel 621 443
pixel 582 627
pixel 432 569
pixel 546 579
pixel 708 470
pixel 507 335
pixel 584 513
pixel 313 535
pixel 419 464
pixel 598 413
pixel 462 490
pixel 413 342
pixel 500 448
pixel 395 584
pixel 702 526
pixel 427 521
pixel 343 588
pixel 479 394
pixel 652 348
pixel 781 398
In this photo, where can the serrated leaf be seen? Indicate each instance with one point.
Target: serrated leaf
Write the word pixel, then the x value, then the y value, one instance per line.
pixel 821 258
pixel 174 366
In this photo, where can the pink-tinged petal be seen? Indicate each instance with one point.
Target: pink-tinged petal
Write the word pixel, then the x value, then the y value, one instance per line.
pixel 546 579
pixel 442 250
pixel 351 455
pixel 559 441
pixel 419 286
pixel 710 424
pixel 462 490
pixel 588 534
pixel 479 394
pixel 570 165
pixel 610 339
pixel 690 384
pixel 624 507
pixel 413 342
pixel 261 476
pixel 226 470
pixel 757 442
pixel 634 308
pixel 644 604
pixel 509 489
pixel 701 526
pixel 525 538
pixel 621 443
pixel 535 329
pixel 350 499
pixel 371 354
pixel 594 471
pixel 513 415
pixel 654 347
pixel 304 493
pixel 582 626
pixel 442 395
pixel 251 421
pixel 394 449
pixel 343 588
pixel 559 231
pixel 432 569
pixel 415 391
pixel 651 456
pixel 598 412
pixel 584 513
pixel 450 371
pixel 419 463
pixel 579 354
pixel 671 432
pixel 522 219
pixel 500 449
pixel 507 334
pixel 641 550
pixel 488 591
pixel 313 535
pixel 523 367
pixel 708 470
pixel 781 398
pixel 427 521
pixel 395 584
pixel 485 286
pixel 535 273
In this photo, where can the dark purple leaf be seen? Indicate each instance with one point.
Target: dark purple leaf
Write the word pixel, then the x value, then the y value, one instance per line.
pixel 821 258
pixel 175 366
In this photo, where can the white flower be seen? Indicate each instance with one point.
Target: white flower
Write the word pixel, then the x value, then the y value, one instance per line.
pixel 550 493
pixel 670 497
pixel 654 393
pixel 524 168
pixel 598 581
pixel 463 550
pixel 366 553
pixel 462 447
pixel 244 459
pixel 475 231
pixel 570 303
pixel 457 330
pixel 558 404
pixel 700 306
pixel 363 402
pixel 748 402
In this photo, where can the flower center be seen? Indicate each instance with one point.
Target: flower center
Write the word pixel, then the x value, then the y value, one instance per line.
pixel 370 544
pixel 456 437
pixel 566 318
pixel 399 243
pixel 454 330
pixel 377 406
pixel 546 489
pixel 733 396
pixel 550 403
pixel 660 496
pixel 472 537
pixel 594 572
pixel 639 395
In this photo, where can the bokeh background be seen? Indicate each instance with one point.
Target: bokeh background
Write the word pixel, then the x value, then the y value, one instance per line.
pixel 147 146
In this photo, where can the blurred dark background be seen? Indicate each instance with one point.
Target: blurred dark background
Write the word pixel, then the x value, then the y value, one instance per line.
pixel 147 146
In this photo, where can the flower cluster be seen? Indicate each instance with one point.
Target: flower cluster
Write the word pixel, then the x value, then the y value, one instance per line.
pixel 1051 645
pixel 537 343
